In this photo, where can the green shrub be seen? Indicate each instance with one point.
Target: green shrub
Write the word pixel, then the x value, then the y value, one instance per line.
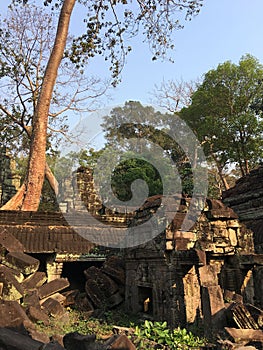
pixel 158 333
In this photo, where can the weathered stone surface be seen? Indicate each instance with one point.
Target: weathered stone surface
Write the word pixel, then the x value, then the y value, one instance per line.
pixel 115 300
pixel 57 296
pixel 213 309
pixel 73 341
pixel 9 242
pixel 24 263
pixel 244 347
pixel 52 346
pixel 52 287
pixel 241 316
pixel 99 287
pixel 70 297
pixel 245 334
pixel 13 340
pixel 12 290
pixel 256 313
pixel 12 314
pixel 118 342
pixel 31 299
pixel 192 297
pixel 33 281
pixel 85 304
pixel 35 314
pixel 53 307
pixel 208 276
pixel 39 336
pixel 114 267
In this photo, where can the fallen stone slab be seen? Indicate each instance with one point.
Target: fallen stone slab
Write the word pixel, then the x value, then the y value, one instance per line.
pixel 39 336
pixel 241 316
pixel 11 290
pixel 52 287
pixel 52 346
pixel 213 307
pixel 103 281
pixel 31 299
pixel 53 308
pixel 75 340
pixel 120 342
pixel 256 313
pixel 12 314
pixel 57 296
pixel 114 267
pixel 21 262
pixel 244 334
pixel 70 297
pixel 36 315
pixel 13 340
pixel 10 243
pixel 99 287
pixel 33 281
pixel 115 300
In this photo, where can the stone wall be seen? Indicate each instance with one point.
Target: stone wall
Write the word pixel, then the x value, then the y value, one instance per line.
pixel 174 270
pixel 9 181
pixel 246 199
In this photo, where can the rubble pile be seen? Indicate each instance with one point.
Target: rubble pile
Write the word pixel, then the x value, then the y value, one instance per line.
pixel 28 298
pixel 225 314
pixel 105 287
pixel 246 199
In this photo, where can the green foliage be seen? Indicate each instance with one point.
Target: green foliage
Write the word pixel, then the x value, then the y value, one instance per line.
pixel 133 122
pixel 226 115
pixel 159 333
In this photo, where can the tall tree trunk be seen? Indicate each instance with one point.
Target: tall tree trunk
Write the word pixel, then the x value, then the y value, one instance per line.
pixel 220 173
pixel 37 157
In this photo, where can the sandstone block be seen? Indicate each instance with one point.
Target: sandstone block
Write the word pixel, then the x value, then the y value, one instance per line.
pixel 35 315
pixel 73 341
pixel 52 287
pixel 114 267
pixel 10 243
pixel 213 309
pixel 31 299
pixel 169 245
pixel 12 314
pixel 245 334
pixel 53 307
pixel 232 237
pixel 70 297
pixel 24 263
pixel 99 286
pixel 35 280
pixel 11 290
pixel 184 234
pixel 120 342
pixel 10 339
pixel 208 275
pixel 57 296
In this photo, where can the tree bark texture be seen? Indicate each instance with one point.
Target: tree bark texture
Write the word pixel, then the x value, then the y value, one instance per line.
pixel 37 158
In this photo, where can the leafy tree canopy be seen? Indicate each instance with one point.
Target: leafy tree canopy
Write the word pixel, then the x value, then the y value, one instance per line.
pixel 225 117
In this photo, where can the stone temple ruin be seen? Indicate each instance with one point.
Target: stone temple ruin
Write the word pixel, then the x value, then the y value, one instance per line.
pixel 209 276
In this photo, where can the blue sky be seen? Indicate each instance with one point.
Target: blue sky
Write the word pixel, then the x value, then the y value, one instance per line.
pixel 224 30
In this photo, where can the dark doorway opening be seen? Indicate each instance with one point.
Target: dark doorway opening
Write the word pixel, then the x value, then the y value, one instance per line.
pixel 74 271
